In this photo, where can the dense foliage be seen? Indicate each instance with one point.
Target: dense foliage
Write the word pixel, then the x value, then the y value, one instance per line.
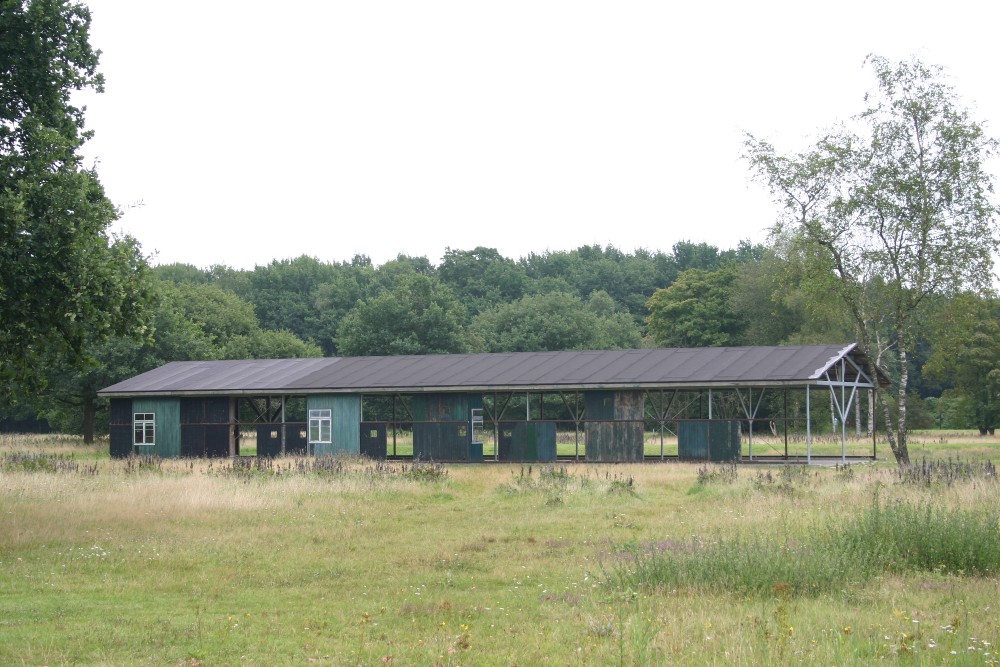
pixel 64 283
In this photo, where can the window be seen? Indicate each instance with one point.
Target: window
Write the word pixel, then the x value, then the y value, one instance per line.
pixel 320 423
pixel 145 428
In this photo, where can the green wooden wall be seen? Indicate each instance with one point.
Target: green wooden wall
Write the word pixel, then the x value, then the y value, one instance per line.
pixel 167 413
pixel 346 412
pixel 708 440
pixel 441 427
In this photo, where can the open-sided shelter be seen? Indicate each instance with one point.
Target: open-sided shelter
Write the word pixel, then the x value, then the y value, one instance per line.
pixel 710 397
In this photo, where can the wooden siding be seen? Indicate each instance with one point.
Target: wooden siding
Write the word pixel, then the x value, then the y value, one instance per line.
pixel 708 441
pixel 527 441
pixel 620 436
pixel 121 434
pixel 167 413
pixel 346 427
pixel 374 439
pixel 204 426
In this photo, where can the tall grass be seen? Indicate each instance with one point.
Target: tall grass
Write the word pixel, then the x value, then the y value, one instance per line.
pixel 346 561
pixel 887 537
pixel 924 536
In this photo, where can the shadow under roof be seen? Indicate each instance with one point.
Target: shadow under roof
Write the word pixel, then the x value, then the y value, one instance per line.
pixel 797 365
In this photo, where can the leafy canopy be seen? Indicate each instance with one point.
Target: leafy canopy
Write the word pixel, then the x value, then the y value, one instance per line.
pixel 63 282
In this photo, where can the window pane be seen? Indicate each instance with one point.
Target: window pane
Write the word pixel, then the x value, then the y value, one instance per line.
pixel 144 428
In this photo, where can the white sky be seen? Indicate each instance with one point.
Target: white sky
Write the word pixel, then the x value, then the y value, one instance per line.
pixel 253 131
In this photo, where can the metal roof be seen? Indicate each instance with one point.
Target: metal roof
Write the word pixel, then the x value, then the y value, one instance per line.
pixel 649 368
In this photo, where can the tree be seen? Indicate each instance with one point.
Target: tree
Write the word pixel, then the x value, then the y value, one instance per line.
pixel 900 208
pixel 221 315
pixel 191 321
pixel 695 311
pixel 418 315
pixel 779 305
pixel 555 321
pixel 64 283
pixel 182 273
pixel 283 294
pixel 966 336
pixel 70 403
pixel 481 278
pixel 268 344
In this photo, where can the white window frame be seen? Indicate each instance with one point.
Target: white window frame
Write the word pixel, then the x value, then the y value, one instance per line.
pixel 321 426
pixel 144 429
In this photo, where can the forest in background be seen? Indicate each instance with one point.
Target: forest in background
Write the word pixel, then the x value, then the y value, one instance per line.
pixel 476 300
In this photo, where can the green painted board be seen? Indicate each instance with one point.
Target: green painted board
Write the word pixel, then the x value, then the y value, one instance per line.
pixel 167 421
pixel 346 430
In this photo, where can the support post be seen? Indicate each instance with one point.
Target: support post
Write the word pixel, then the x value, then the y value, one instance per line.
pixel 282 426
pixel 785 423
pixel 809 439
pixel 844 411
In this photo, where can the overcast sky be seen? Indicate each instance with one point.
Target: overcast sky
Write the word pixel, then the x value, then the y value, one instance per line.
pixel 253 131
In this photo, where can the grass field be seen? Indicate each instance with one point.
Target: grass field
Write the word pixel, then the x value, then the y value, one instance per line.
pixel 348 562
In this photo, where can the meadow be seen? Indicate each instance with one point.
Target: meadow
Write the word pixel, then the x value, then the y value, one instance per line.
pixel 353 562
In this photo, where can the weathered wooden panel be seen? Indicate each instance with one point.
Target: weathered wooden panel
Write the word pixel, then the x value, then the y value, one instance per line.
pixel 192 439
pixel 527 441
pixel 620 436
pixel 599 404
pixel 441 441
pixel 120 411
pixel 121 435
pixel 374 440
pixel 715 440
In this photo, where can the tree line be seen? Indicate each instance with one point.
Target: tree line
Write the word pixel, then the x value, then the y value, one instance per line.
pixel 479 301
pixel 886 233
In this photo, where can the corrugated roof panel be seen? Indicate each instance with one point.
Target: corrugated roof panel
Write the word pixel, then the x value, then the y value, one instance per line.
pixel 630 366
pixel 583 365
pixel 741 362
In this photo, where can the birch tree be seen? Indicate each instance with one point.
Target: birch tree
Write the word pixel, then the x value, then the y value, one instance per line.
pixel 900 203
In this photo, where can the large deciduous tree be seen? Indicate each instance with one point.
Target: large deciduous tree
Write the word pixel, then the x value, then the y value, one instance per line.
pixel 900 204
pixel 556 321
pixel 64 284
pixel 695 311
pixel 481 278
pixel 418 315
